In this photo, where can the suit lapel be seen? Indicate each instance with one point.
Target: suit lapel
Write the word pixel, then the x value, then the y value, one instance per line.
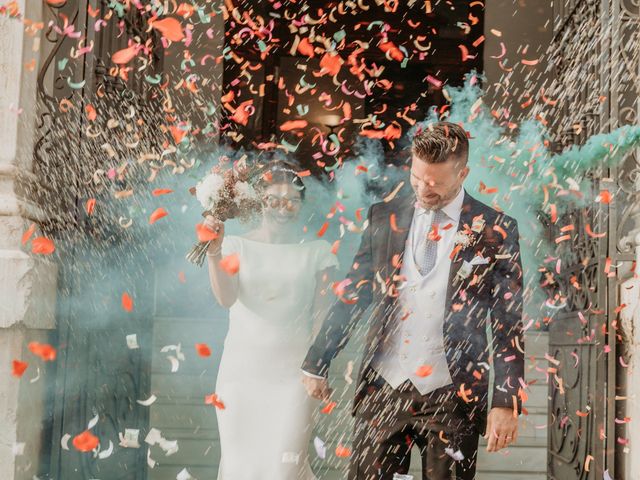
pixel 397 239
pixel 466 217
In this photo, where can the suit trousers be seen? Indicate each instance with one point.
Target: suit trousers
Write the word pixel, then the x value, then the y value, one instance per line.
pixel 389 422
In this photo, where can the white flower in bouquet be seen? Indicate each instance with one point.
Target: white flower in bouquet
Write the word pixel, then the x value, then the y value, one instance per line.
pixel 209 190
pixel 245 191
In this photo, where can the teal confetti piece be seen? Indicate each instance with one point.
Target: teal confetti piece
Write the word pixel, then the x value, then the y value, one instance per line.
pixel 303 83
pixel 302 109
pixel 339 35
pixel 262 46
pixel 153 80
pixel 62 63
pixel 75 85
pixel 289 147
pixel 119 8
pixel 204 17
pixel 190 61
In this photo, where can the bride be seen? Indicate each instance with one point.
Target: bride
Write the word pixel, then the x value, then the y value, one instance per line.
pixel 274 300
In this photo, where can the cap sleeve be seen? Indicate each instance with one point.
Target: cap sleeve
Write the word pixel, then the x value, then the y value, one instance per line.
pixel 325 258
pixel 230 244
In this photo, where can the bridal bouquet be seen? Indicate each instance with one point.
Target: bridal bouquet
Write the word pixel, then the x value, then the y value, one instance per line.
pixel 224 195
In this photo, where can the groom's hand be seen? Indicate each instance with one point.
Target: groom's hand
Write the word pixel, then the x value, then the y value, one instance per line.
pixel 316 387
pixel 502 428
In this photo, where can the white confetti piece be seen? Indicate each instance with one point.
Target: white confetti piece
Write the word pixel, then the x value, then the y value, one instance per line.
pixel 347 375
pixel 457 455
pixel 150 461
pixel 321 448
pixel 93 422
pixel 37 377
pixel 184 475
pixel 175 364
pixel 132 341
pixel 64 441
pixel 148 402
pixel 130 438
pixel 106 453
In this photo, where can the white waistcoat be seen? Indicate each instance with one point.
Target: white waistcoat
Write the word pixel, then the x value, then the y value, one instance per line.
pixel 417 341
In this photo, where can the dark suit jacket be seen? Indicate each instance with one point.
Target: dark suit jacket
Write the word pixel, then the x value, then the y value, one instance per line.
pixel 491 292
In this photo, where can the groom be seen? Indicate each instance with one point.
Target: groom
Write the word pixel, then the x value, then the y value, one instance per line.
pixel 437 267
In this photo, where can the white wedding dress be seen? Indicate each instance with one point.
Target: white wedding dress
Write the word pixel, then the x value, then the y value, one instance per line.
pixel 266 423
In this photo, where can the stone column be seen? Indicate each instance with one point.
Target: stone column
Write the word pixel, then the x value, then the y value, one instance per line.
pixel 27 281
pixel 630 320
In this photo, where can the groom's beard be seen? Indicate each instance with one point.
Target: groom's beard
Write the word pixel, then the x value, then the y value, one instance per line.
pixel 441 201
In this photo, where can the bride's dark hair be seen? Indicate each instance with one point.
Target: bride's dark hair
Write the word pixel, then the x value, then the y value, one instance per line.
pixel 279 171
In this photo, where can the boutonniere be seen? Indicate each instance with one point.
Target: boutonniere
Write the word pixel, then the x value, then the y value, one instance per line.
pixel 464 237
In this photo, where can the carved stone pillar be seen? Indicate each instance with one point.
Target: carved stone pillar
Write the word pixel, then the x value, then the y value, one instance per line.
pixel 27 281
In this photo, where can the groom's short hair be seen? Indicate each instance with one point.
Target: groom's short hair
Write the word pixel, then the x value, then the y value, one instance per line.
pixel 440 141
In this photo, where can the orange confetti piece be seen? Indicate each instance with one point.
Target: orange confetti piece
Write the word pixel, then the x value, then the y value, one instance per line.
pixel 305 48
pixel 582 414
pixel 330 64
pixel 292 125
pixel 125 55
pixel 42 246
pixel 214 400
pixel 181 277
pixel 328 408
pixel 501 231
pixel 343 452
pixel 563 238
pixel 465 53
pixel 242 113
pixel 161 191
pixel 554 213
pixel 323 229
pixel 529 62
pixel 605 197
pixel 90 206
pixel 27 235
pixel 592 234
pixel 43 350
pixel 230 264
pixel 335 247
pixel 157 215
pixel 424 370
pixel 203 349
pixel 177 133
pixel 127 302
pixel 91 112
pixel 205 234
pixel 170 28
pixel 392 222
pixel 392 51
pixel 86 441
pixel 18 368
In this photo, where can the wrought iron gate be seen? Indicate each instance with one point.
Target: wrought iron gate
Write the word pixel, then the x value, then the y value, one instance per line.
pixel 97 373
pixel 595 56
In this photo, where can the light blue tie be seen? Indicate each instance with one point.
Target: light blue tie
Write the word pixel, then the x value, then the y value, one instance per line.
pixel 428 249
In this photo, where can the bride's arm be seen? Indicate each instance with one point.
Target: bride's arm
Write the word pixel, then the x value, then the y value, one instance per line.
pixel 324 297
pixel 223 285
